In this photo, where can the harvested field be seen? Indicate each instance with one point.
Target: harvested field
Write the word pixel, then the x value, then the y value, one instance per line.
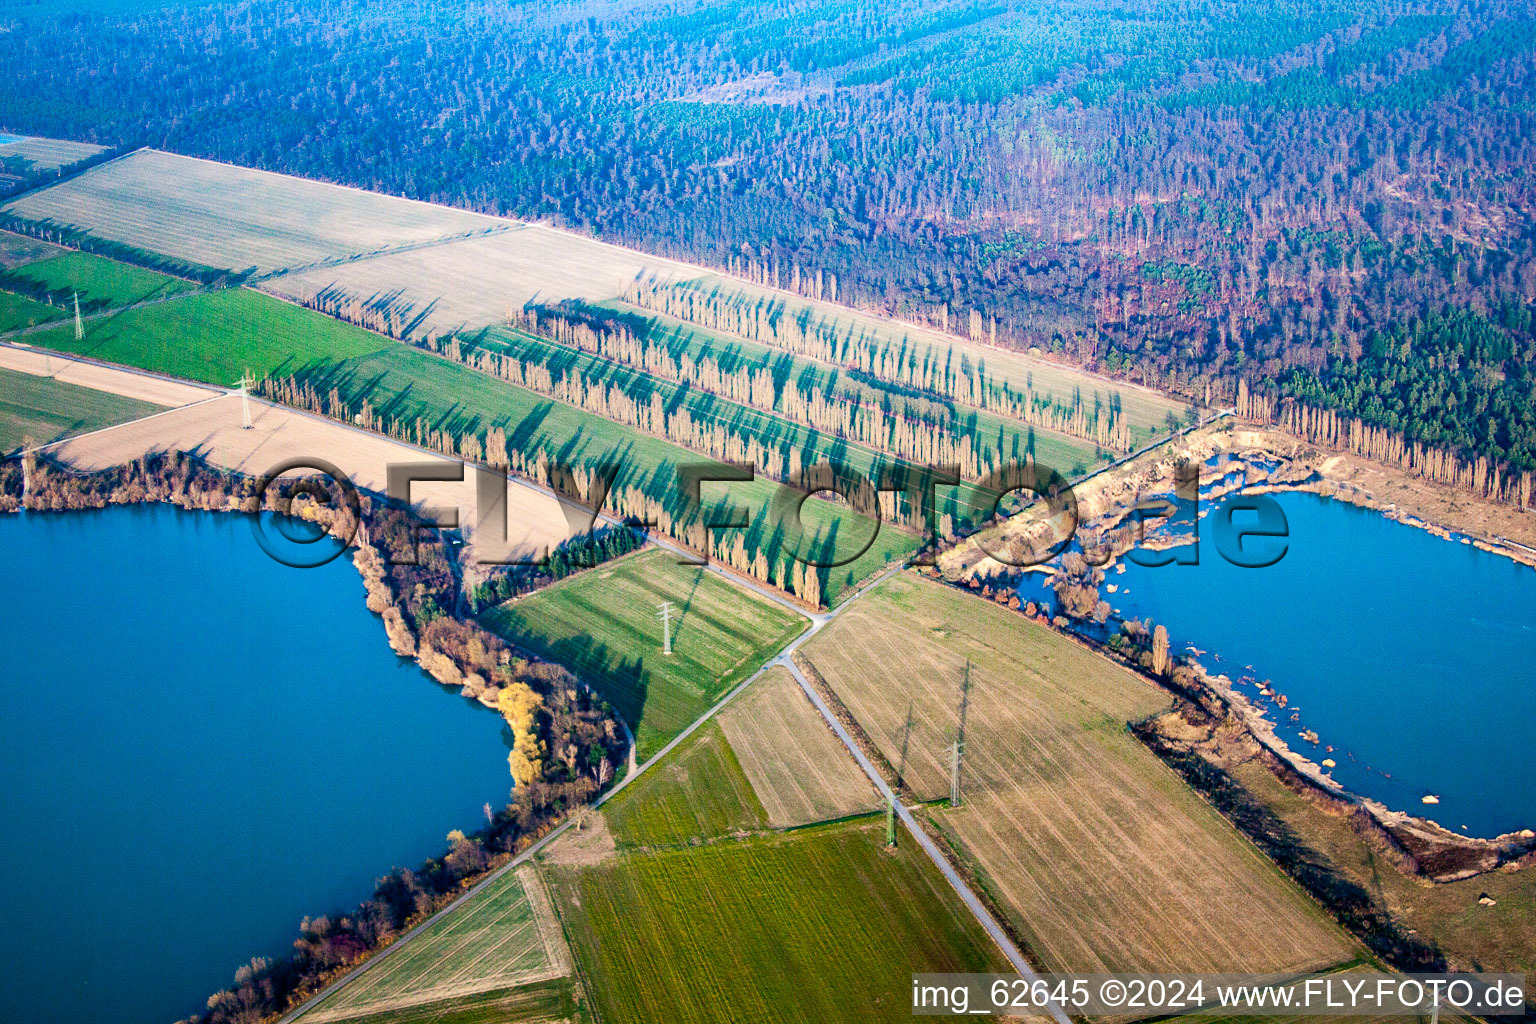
pixel 505 938
pixel 234 218
pixel 46 409
pixel 212 431
pixel 215 337
pixel 821 925
pixel 545 1002
pixel 469 284
pixel 698 792
pixel 602 625
pixel 799 770
pixel 18 250
pixel 111 379
pixel 1472 936
pixel 48 154
pixel 98 281
pixel 1100 857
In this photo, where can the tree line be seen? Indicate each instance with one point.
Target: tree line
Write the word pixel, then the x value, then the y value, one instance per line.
pixel 566 739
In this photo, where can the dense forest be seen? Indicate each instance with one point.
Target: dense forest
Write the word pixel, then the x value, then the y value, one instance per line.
pixel 1295 195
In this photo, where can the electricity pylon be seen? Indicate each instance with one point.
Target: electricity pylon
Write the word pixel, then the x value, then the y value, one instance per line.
pixel 664 613
pixel 957 749
pixel 245 383
pixel 79 324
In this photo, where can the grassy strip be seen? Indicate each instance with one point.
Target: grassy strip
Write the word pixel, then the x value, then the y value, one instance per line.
pixel 405 384
pixel 46 410
pixel 100 282
pixel 700 792
pixel 215 337
pixel 824 925
pixel 17 312
pixel 1006 440
pixel 602 625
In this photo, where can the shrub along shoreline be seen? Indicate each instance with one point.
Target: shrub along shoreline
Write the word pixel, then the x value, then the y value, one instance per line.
pixel 568 741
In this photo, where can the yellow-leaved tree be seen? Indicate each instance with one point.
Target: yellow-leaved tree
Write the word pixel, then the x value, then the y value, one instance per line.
pixel 518 704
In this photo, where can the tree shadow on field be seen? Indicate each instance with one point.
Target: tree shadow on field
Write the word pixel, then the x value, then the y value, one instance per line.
pixel 624 682
pixel 906 739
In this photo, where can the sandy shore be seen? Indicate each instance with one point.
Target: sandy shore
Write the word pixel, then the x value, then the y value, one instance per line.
pixel 212 431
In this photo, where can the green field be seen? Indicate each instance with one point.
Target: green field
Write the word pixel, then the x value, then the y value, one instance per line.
pixel 1004 440
pixel 17 312
pixel 46 410
pixel 821 925
pixel 699 792
pixel 215 337
pixel 602 625
pixel 488 949
pixel 552 1001
pixel 405 383
pixel 100 282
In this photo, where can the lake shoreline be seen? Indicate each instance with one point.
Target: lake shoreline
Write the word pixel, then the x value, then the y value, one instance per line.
pixel 409 581
pixel 1242 460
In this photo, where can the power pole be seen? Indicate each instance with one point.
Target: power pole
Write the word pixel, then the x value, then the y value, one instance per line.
pixel 244 384
pixel 79 324
pixel 664 613
pixel 957 749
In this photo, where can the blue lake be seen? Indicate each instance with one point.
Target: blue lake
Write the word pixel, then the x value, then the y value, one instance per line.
pixel 1414 657
pixel 198 747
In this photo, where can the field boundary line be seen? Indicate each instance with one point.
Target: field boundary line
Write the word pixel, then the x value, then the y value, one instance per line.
pixel 817 622
pixel 940 336
pixel 395 250
pixel 958 883
pixel 44 186
pixel 112 311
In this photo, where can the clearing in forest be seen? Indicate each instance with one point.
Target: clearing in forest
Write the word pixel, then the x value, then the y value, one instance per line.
pixel 603 625
pixel 1101 857
pixel 820 925
pixel 486 949
pixel 426 268
pixel 798 768
pixel 32 155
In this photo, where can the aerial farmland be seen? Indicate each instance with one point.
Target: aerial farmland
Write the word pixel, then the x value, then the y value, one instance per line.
pixel 668 390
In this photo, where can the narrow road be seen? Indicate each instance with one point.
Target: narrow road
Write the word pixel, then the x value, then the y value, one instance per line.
pixel 817 622
pixel 968 897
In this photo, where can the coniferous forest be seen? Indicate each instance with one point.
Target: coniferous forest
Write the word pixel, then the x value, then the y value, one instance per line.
pixel 1328 200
